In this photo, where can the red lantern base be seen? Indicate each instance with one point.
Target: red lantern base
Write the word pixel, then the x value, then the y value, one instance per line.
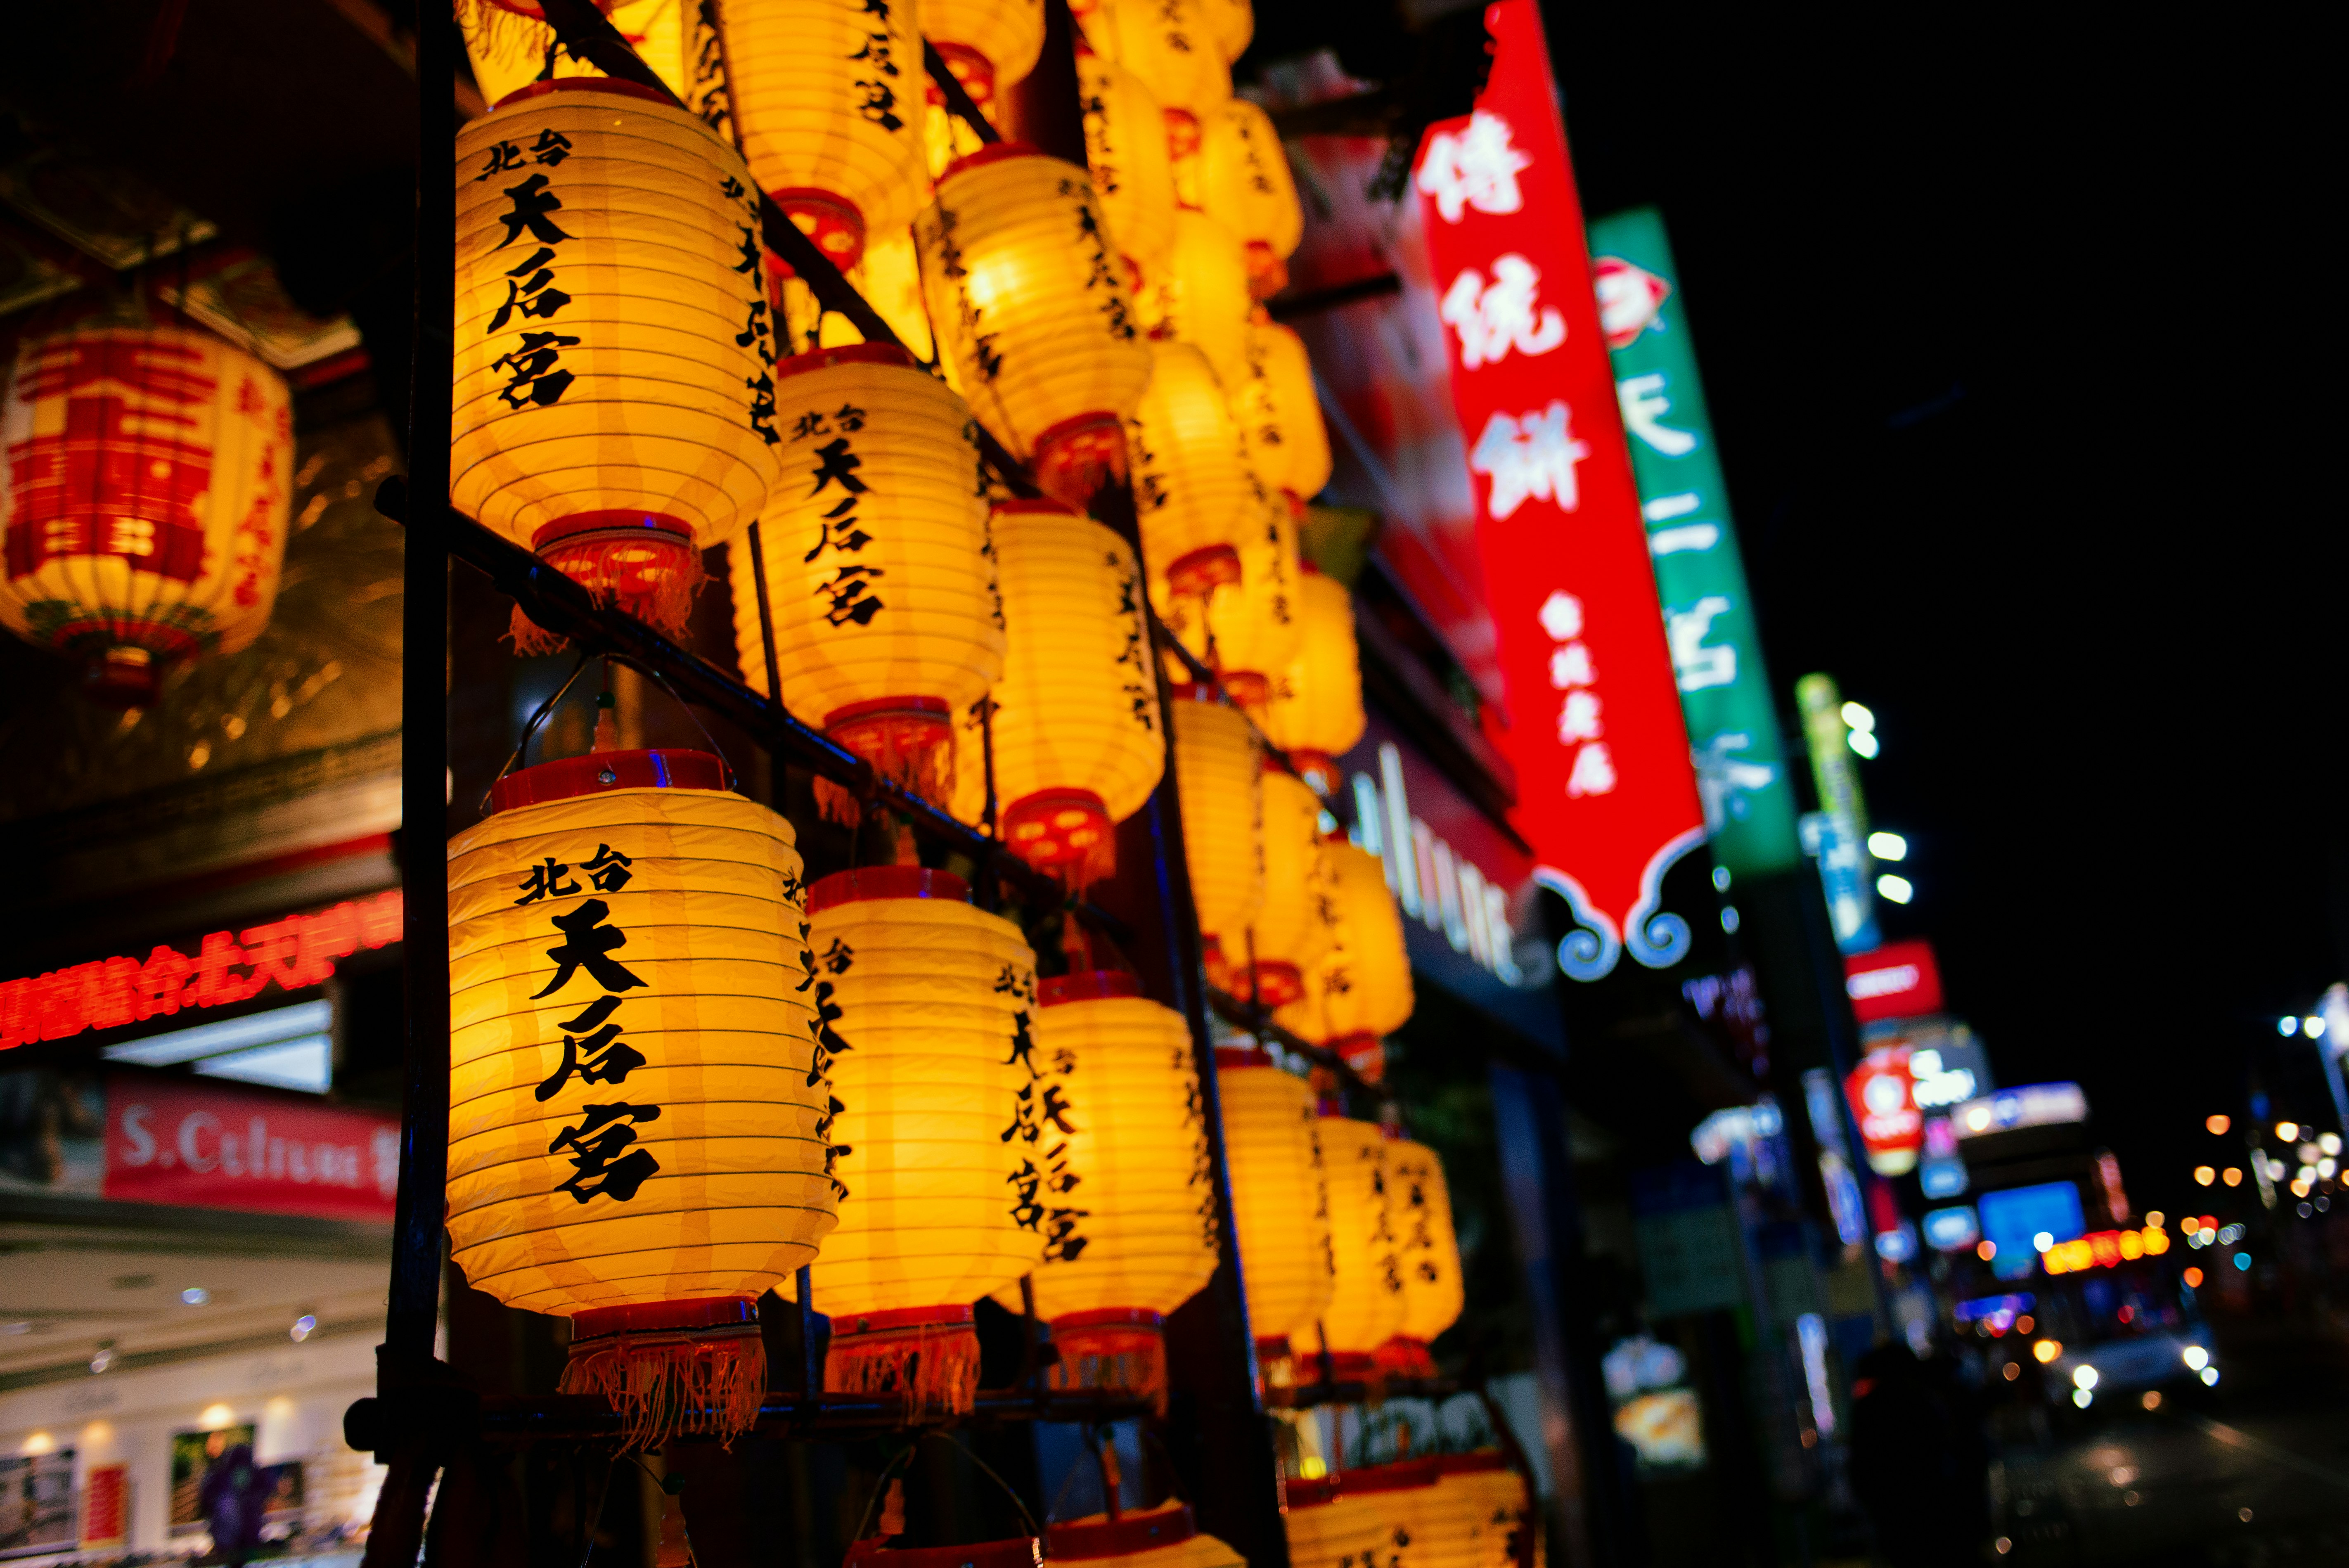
pixel 1318 769
pixel 1277 984
pixel 1203 571
pixel 1182 133
pixel 642 563
pixel 977 74
pixel 1251 690
pixel 1118 1351
pixel 908 740
pixel 832 222
pixel 671 1368
pixel 1268 275
pixel 1064 831
pixel 1365 1053
pixel 1404 1357
pixel 1074 458
pixel 928 1358
pixel 1211 958
pixel 123 677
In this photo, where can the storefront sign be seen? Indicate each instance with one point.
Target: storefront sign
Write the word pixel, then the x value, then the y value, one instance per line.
pixel 1733 725
pixel 170 1140
pixel 1955 1230
pixel 1852 896
pixel 1898 980
pixel 2032 1105
pixel 292 954
pixel 1606 794
pixel 1884 1104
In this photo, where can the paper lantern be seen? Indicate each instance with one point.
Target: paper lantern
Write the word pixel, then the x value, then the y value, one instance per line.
pixel 614 410
pixel 948 1131
pixel 1196 498
pixel 831 98
pixel 1162 1537
pixel 1323 1535
pixel 1388 1504
pixel 1428 1249
pixel 888 624
pixel 1280 1212
pixel 1366 1300
pixel 511 45
pixel 990 45
pixel 1436 1525
pixel 1289 936
pixel 1218 779
pixel 1254 628
pixel 1497 1503
pixel 1171 44
pixel 1199 294
pixel 1245 184
pixel 1078 747
pixel 1232 22
pixel 1314 707
pixel 1361 989
pixel 1280 416
pixel 1134 1236
pixel 1029 303
pixel 1126 146
pixel 639 1138
pixel 145 500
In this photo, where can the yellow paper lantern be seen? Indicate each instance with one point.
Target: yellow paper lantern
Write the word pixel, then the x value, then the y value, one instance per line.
pixel 1394 1505
pixel 1199 294
pixel 1029 303
pixel 948 1131
pixel 1126 146
pixel 1323 1535
pixel 1078 747
pixel 1497 1503
pixel 1245 184
pixel 1166 1536
pixel 1366 1302
pixel 145 500
pixel 1233 23
pixel 639 1138
pixel 1280 1212
pixel 1218 779
pixel 1254 627
pixel 1428 1249
pixel 890 279
pixel 1289 936
pixel 1280 415
pixel 1434 1525
pixel 1315 710
pixel 888 624
pixel 511 45
pixel 831 98
pixel 1192 492
pixel 1135 1237
pixel 1171 44
pixel 1361 989
pixel 990 45
pixel 614 410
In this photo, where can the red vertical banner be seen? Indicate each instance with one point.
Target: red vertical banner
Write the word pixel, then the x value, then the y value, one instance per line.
pixel 1606 794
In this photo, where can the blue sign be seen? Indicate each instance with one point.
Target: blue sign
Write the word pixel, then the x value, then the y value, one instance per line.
pixel 2012 1222
pixel 1843 873
pixel 1952 1230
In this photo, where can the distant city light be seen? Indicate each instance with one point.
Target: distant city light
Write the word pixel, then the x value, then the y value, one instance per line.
pixel 2312 1027
pixel 2287 1132
pixel 2287 1026
pixel 2157 1219
pixel 2047 1350
pixel 1858 717
pixel 2195 1358
pixel 2083 1398
pixel 2042 1242
pixel 195 1296
pixel 2243 1262
pixel 1864 742
pixel 1887 846
pixel 2193 1278
pixel 2232 1177
pixel 2217 1125
pixel 2210 1377
pixel 2204 1176
pixel 1986 1250
pixel 2084 1376
pixel 1895 889
pixel 2330 1143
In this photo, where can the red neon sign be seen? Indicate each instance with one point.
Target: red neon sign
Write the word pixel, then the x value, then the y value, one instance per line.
pixel 1884 1102
pixel 293 953
pixel 170 1140
pixel 1606 794
pixel 1898 980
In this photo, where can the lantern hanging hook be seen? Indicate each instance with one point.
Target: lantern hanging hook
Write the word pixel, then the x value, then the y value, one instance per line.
pixel 578 668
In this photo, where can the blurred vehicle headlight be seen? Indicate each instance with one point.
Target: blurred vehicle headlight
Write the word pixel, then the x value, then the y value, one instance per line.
pixel 2084 1376
pixel 2196 1357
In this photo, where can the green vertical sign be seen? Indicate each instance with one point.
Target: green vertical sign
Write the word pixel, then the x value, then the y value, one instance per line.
pixel 1741 769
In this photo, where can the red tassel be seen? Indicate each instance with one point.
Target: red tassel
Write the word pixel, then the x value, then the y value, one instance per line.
pixel 668 1380
pixel 926 1357
pixel 1117 1351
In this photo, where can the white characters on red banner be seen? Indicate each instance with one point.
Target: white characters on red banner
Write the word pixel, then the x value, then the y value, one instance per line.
pixel 1530 458
pixel 1579 722
pixel 1474 166
pixel 1497 315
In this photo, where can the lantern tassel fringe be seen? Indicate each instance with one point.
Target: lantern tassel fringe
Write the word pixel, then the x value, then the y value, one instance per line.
pixel 661 598
pixel 919 758
pixel 665 1384
pixel 1125 1359
pixel 932 1367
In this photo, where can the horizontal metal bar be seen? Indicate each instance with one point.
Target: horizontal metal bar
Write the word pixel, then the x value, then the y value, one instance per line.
pixel 574 1416
pixel 557 602
pixel 1238 1011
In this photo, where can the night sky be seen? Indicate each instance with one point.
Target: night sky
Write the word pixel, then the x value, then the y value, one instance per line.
pixel 2014 342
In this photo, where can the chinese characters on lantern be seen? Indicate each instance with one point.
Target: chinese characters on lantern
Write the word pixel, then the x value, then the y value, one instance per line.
pixel 1040 1112
pixel 848 594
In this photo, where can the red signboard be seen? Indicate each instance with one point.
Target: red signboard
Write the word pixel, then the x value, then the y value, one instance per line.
pixel 291 953
pixel 1884 1102
pixel 1898 980
pixel 1606 794
pixel 185 1141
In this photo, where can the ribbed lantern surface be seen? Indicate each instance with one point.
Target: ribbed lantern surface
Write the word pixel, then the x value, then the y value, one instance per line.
pixel 1126 146
pixel 1279 1206
pixel 1428 1249
pixel 1218 772
pixel 1161 1537
pixel 1251 631
pixel 510 45
pixel 639 1135
pixel 1280 415
pixel 1361 989
pixel 1196 499
pixel 1244 184
pixel 1324 1535
pixel 1367 1303
pixel 1199 294
pixel 614 406
pixel 1316 708
pixel 1290 936
pixel 145 488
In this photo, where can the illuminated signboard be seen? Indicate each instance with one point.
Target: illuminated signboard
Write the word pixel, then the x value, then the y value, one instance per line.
pixel 1606 794
pixel 1952 1230
pixel 2015 1218
pixel 292 954
pixel 1852 897
pixel 1898 980
pixel 2033 1105
pixel 1733 725
pixel 1884 1104
pixel 169 1140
